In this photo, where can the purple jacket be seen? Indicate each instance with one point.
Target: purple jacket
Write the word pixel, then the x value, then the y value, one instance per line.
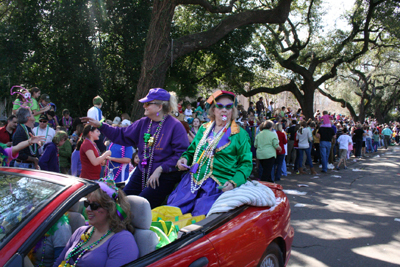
pixel 118 250
pixel 76 165
pixel 49 160
pixel 172 142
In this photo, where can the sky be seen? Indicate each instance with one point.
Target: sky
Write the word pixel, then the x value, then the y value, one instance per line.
pixel 335 8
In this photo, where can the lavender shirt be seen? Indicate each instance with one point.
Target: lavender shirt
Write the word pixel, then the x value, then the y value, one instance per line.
pixel 118 250
pixel 171 143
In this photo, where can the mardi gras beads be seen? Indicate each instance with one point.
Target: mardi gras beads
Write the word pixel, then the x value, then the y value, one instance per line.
pixel 148 159
pixel 79 249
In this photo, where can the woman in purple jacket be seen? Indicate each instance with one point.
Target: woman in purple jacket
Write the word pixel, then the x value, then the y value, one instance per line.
pixel 49 160
pixel 160 138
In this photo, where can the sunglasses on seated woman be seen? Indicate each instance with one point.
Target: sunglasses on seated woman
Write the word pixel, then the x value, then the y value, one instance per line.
pixel 93 206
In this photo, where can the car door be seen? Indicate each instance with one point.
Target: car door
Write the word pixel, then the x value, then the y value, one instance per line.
pixel 194 253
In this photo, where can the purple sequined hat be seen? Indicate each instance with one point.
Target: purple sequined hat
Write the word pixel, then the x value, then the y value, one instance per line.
pixel 156 94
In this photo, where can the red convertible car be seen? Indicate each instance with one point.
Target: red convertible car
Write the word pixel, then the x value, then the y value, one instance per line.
pixel 32 201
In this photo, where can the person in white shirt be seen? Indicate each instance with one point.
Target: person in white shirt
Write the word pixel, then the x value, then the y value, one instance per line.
pixel 117 120
pixel 368 141
pixel 344 141
pixel 44 130
pixel 126 123
pixel 304 136
pixel 95 111
pixel 271 106
pixel 188 113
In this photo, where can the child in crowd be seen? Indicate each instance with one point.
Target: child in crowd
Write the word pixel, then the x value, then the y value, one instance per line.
pixel 66 121
pixel 188 113
pixel 326 120
pixel 134 162
pixel 375 138
pixel 344 141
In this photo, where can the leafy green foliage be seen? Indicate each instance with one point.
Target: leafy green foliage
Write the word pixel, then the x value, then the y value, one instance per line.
pixel 230 62
pixel 75 50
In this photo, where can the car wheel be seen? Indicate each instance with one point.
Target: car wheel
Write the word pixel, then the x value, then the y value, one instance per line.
pixel 272 257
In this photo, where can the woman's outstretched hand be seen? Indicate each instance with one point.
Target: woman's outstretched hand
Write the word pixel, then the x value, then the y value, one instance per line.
pixel 91 121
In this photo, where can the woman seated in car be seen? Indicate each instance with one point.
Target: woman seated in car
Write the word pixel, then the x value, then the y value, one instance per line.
pixel 108 240
pixel 219 156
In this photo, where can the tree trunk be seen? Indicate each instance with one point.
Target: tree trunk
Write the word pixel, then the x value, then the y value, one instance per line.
pixel 361 114
pixel 379 116
pixel 307 101
pixel 156 58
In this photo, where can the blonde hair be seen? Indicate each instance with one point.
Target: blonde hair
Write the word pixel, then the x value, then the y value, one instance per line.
pixel 171 105
pixel 60 136
pixel 303 125
pixel 109 204
pixel 279 127
pixel 211 114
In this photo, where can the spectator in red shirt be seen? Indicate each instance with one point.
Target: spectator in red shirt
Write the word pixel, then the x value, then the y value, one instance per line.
pixel 180 103
pixel 280 155
pixel 8 130
pixel 90 154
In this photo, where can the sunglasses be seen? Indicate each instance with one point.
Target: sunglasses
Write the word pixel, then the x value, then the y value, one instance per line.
pixel 43 121
pixel 146 104
pixel 93 206
pixel 227 106
pixel 221 106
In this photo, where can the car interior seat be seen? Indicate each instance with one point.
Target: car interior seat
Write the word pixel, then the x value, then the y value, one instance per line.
pixel 76 218
pixel 141 221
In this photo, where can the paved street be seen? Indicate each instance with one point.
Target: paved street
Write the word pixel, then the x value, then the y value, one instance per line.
pixel 348 221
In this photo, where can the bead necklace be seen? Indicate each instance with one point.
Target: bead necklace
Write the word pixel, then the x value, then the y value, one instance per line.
pixel 67 123
pixel 47 130
pixel 205 157
pixel 43 249
pixel 149 143
pixel 110 162
pixel 80 250
pixel 33 151
pixel 58 158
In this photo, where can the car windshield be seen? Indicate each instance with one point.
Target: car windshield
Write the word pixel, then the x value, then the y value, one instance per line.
pixel 19 197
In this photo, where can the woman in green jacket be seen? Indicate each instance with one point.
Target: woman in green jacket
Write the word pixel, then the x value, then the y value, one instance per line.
pixel 219 158
pixel 267 143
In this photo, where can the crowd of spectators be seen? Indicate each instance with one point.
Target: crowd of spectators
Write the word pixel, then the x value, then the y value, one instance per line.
pixel 325 139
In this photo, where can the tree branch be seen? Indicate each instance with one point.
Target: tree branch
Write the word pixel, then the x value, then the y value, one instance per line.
pixel 207 6
pixel 344 103
pixel 190 43
pixel 290 87
pixel 205 76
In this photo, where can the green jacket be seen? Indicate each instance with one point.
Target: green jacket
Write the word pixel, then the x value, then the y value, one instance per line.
pixel 266 143
pixel 230 163
pixel 64 153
